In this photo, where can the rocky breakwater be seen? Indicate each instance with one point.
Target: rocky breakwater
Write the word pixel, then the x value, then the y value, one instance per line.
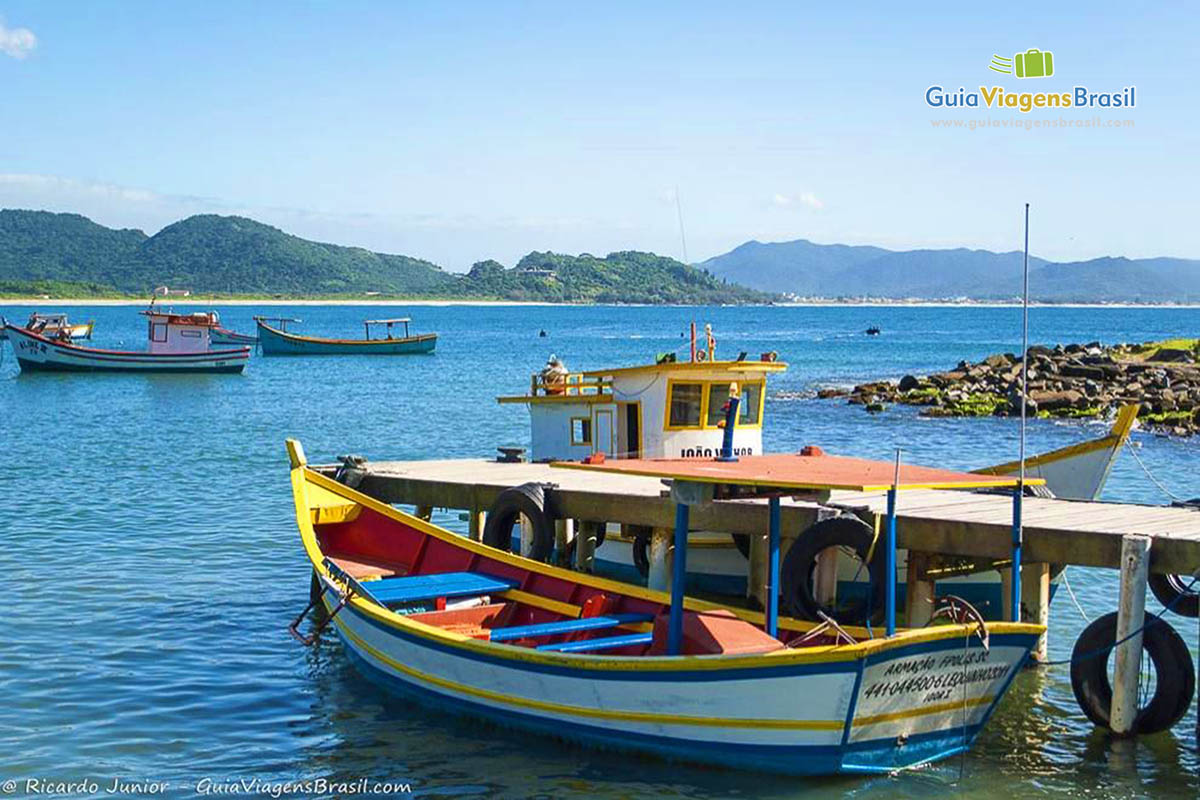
pixel 1076 380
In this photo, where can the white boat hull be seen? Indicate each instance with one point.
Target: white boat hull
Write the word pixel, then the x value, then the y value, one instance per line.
pixel 39 354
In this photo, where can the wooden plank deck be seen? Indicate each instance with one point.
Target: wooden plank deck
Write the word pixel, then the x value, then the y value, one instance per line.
pixel 946 522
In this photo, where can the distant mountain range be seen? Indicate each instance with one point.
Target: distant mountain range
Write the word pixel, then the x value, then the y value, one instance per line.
pixel 70 255
pixel 807 269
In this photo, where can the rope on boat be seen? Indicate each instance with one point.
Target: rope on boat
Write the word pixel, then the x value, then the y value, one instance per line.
pixel 1154 620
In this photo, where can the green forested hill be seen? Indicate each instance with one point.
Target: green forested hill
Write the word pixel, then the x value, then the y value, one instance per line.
pixel 624 277
pixel 40 252
pixel 39 245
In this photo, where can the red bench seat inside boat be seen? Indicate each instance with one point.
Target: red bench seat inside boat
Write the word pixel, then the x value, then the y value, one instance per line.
pixel 714 633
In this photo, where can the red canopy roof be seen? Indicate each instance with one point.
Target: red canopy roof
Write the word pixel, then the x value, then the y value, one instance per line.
pixel 799 471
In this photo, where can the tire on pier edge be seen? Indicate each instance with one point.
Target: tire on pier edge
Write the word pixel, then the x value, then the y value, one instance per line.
pixel 1178 592
pixel 1175 681
pixel 528 500
pixel 798 598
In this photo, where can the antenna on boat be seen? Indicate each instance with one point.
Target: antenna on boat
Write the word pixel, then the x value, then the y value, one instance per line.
pixel 1024 345
pixel 1018 529
pixel 682 237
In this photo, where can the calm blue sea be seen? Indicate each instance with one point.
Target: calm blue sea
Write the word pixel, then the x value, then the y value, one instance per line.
pixel 152 562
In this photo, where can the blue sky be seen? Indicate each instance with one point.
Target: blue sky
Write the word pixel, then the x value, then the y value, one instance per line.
pixel 462 131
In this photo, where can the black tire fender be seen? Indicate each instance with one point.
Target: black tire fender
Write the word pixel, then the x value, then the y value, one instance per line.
pixel 797 573
pixel 1176 677
pixel 641 548
pixel 1177 589
pixel 742 542
pixel 528 500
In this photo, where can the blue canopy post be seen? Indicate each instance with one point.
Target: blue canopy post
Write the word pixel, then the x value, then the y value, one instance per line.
pixel 685 493
pixel 1014 598
pixel 678 578
pixel 772 587
pixel 889 603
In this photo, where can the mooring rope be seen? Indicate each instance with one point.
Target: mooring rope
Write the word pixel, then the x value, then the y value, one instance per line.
pixel 1074 599
pixel 1133 452
pixel 1154 620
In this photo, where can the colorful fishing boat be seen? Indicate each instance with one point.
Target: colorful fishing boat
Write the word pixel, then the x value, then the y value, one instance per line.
pixel 476 630
pixel 177 343
pixel 281 342
pixel 673 408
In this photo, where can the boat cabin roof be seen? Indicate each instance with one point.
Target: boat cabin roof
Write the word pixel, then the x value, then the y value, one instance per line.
pixel 386 321
pixel 816 471
pixel 715 366
pixel 205 319
pixel 37 315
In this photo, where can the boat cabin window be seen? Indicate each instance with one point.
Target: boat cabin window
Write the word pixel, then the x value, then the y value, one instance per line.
pixel 158 331
pixel 751 403
pixel 190 334
pixel 685 402
pixel 581 430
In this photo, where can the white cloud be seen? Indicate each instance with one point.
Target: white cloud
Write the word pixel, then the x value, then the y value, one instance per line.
pixel 16 42
pixel 805 199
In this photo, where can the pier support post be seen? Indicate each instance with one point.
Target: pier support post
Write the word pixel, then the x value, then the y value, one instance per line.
pixel 919 591
pixel 1035 603
pixel 756 571
pixel 475 523
pixel 659 577
pixel 1131 614
pixel 585 545
pixel 425 512
pixel 825 572
pixel 1005 592
pixel 564 532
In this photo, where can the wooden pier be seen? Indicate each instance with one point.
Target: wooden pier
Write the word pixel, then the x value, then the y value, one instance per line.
pixel 942 530
pixel 952 523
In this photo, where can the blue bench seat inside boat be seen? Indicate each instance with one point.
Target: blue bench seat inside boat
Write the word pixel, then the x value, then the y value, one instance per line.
pixel 606 643
pixel 415 588
pixel 567 626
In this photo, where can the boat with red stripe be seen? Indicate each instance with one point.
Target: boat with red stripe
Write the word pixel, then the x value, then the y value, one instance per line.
pixel 177 343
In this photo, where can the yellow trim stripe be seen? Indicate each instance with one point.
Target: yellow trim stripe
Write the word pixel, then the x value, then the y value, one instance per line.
pixel 1115 438
pixel 584 711
pixel 697 366
pixel 953 705
pixel 997 482
pixel 646 716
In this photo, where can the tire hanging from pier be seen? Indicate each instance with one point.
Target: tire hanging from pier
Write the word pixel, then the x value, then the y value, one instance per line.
pixel 1175 682
pixel 527 500
pixel 1177 593
pixel 798 596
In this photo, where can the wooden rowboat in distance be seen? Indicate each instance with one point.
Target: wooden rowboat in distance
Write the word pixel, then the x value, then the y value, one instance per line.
pixel 281 342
